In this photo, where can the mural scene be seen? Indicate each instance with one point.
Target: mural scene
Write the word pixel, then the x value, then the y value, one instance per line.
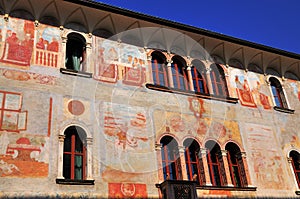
pixel 22 154
pixel 119 61
pixel 250 89
pixel 129 140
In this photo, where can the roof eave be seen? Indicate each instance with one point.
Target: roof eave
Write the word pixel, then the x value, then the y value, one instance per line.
pixel 188 28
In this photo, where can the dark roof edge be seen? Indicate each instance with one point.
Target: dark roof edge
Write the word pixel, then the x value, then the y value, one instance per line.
pixel 188 28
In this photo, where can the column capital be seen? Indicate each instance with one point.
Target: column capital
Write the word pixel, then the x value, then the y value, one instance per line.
pixel 208 70
pixel 181 149
pixel 61 138
pixel 243 154
pixel 158 146
pixel 89 141
pixel 289 159
pixel 224 152
pixel 203 151
pixel 149 57
pixel 169 61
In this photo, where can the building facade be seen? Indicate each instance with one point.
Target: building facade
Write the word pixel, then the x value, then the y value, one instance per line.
pixel 102 102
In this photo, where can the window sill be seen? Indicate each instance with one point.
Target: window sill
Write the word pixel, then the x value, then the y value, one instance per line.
pixel 75 73
pixel 191 93
pixel 226 188
pixel 284 110
pixel 74 182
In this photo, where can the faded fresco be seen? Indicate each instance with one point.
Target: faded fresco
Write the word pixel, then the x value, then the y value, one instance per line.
pixel 17 40
pixel 250 88
pixel 127 190
pixel 266 159
pixel 47 46
pixel 23 143
pixel 195 125
pixel 118 61
pixel 129 142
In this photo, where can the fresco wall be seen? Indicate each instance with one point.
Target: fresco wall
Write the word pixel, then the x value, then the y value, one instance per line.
pixel 37 102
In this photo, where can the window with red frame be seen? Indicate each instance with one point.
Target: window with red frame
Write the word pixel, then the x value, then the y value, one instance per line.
pixel 159 69
pixel 295 156
pixel 194 165
pixel 215 164
pixel 198 76
pixel 170 159
pixel 236 166
pixel 11 116
pixel 74 155
pixel 218 80
pixel 179 74
pixel 277 92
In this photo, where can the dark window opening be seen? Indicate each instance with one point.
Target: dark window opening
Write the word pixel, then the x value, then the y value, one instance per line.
pixel 180 80
pixel 278 94
pixel 218 80
pixel 75 52
pixel 236 165
pixel 198 76
pixel 215 164
pixel 295 157
pixel 194 164
pixel 170 159
pixel 74 156
pixel 159 69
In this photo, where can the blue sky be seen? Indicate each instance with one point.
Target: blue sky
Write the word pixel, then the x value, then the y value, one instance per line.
pixel 274 23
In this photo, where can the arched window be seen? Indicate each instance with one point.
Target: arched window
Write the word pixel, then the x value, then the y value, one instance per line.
pixel 295 158
pixel 198 76
pixel 215 164
pixel 236 166
pixel 159 69
pixel 179 74
pixel 74 154
pixel 218 80
pixel 277 91
pixel 170 159
pixel 75 52
pixel 194 164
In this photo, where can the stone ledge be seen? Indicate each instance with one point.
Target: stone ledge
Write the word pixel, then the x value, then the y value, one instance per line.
pixel 74 182
pixel 75 73
pixel 191 93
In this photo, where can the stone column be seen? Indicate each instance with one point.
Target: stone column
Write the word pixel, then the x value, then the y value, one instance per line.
pixel 181 150
pixel 226 167
pixel 89 148
pixel 208 81
pixel 190 78
pixel 203 153
pixel 62 63
pixel 149 75
pixel 86 64
pixel 160 171
pixel 249 183
pixel 169 67
pixel 61 139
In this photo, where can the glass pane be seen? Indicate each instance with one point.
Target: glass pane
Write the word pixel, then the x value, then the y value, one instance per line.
pixel 78 145
pixel 67 166
pixel 173 171
pixel 78 167
pixel 67 143
pixel 216 175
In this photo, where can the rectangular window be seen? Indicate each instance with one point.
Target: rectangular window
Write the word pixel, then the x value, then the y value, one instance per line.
pixel 11 116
